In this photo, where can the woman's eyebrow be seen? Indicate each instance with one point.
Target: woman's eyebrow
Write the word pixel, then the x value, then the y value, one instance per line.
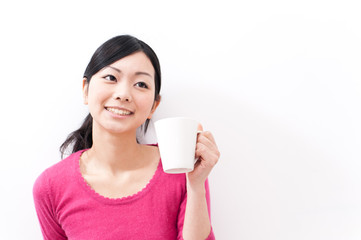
pixel 116 69
pixel 136 73
pixel 143 73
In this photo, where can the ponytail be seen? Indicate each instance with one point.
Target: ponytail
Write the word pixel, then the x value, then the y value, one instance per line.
pixel 79 139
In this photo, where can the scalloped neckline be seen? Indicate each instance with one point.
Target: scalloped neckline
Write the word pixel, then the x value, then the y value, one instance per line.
pixel 121 200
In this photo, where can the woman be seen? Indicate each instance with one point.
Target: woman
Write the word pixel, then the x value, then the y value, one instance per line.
pixel 112 187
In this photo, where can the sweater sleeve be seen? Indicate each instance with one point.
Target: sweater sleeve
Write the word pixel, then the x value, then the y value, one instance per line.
pixel 50 227
pixel 182 211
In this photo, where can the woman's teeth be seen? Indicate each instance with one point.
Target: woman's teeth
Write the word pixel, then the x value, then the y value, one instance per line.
pixel 119 111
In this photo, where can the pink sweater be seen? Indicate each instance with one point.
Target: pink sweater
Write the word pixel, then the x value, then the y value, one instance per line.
pixel 68 208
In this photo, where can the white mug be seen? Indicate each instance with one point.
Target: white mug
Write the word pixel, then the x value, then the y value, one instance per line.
pixel 177 139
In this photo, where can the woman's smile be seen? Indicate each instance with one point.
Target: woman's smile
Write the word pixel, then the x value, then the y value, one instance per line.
pixel 119 111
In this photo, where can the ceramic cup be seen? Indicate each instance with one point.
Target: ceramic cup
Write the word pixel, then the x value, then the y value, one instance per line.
pixel 177 139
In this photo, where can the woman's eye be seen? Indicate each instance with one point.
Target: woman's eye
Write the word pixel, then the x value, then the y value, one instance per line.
pixel 141 85
pixel 110 78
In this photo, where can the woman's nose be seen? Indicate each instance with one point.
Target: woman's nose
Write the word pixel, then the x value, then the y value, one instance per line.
pixel 122 92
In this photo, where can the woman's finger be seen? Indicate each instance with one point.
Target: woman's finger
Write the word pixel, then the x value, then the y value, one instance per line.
pixel 209 155
pixel 207 140
pixel 207 135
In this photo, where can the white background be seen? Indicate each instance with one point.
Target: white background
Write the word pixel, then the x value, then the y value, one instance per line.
pixel 277 82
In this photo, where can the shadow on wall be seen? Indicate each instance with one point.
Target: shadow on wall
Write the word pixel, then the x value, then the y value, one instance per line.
pixel 270 175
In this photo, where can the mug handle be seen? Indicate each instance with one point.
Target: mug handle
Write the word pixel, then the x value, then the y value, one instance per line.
pixel 196 159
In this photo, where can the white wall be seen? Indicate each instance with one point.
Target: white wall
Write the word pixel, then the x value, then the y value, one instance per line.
pixel 277 82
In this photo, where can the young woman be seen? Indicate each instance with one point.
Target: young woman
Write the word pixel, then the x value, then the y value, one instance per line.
pixel 112 187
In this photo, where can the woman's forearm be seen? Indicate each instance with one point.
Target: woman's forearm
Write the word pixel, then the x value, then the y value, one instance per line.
pixel 196 220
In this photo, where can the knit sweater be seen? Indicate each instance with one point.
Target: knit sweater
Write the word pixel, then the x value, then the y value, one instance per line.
pixel 68 208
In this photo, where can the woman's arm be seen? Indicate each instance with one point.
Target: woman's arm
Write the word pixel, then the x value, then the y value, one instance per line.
pixel 44 208
pixel 197 224
pixel 197 217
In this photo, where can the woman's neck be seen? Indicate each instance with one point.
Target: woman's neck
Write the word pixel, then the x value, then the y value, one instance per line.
pixel 115 153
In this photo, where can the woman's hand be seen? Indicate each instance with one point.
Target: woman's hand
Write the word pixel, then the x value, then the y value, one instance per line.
pixel 207 154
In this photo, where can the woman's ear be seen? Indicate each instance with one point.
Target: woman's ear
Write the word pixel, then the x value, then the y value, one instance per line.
pixel 155 106
pixel 85 91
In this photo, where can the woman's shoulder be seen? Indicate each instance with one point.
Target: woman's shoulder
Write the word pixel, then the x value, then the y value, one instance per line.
pixel 59 173
pixel 64 166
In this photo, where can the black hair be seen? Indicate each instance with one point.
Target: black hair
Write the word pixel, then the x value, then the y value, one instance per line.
pixel 109 52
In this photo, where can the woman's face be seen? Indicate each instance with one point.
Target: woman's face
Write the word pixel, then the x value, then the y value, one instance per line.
pixel 121 96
